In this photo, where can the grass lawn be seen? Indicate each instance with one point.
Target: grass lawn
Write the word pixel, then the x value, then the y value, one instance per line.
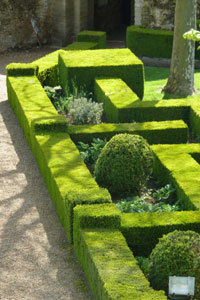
pixel 155 80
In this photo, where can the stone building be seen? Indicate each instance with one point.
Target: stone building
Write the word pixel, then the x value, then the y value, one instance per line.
pixel 58 21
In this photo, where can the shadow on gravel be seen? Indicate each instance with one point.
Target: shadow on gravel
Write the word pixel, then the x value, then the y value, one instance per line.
pixel 50 236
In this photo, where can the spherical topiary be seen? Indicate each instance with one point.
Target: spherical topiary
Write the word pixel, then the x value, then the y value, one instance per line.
pixel 176 254
pixel 124 164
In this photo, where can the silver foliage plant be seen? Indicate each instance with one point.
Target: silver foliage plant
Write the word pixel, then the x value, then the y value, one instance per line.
pixel 84 111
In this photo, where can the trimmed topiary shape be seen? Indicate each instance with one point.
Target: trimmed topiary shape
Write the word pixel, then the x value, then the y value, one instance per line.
pixel 125 164
pixel 176 254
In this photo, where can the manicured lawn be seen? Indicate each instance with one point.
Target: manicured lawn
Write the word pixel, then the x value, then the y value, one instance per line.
pixel 155 80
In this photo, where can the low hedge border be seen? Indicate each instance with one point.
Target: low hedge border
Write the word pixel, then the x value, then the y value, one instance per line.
pixel 169 132
pixel 34 120
pixel 169 164
pixel 143 230
pixel 98 37
pixel 151 42
pixel 108 263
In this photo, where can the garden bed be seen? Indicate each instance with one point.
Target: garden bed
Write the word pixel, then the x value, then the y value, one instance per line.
pixel 101 226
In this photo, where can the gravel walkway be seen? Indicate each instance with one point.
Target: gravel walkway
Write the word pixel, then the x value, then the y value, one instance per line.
pixel 36 261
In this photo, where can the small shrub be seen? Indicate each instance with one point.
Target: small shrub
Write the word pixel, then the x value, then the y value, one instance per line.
pixel 125 164
pixel 84 111
pixel 176 254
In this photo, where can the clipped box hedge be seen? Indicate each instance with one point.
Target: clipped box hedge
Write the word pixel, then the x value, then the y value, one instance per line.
pixel 143 230
pixel 84 66
pixel 117 98
pixel 109 265
pixel 151 42
pixel 98 37
pixel 165 132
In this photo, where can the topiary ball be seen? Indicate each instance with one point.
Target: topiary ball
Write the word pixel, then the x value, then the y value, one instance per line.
pixel 176 254
pixel 124 164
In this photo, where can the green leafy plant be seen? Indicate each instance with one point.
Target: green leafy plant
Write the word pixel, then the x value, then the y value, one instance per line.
pixel 124 164
pixel 139 205
pixel 165 193
pixel 59 100
pixel 176 254
pixel 90 152
pixel 84 111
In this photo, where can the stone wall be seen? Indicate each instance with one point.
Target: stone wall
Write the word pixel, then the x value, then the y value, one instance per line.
pixel 156 13
pixel 15 22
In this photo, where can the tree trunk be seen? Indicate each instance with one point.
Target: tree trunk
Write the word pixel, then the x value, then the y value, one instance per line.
pixel 181 78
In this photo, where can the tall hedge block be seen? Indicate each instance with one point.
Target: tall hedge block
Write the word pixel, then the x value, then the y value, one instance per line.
pixel 84 196
pixel 117 98
pixel 82 67
pixel 98 37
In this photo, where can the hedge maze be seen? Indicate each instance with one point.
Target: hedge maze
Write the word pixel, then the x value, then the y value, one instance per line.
pixel 100 233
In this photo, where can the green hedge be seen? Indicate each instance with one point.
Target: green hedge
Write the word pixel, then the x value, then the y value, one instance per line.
pixel 154 132
pixel 22 69
pixel 151 42
pixel 109 266
pixel 142 230
pixel 83 196
pixel 29 101
pixel 117 98
pixel 48 64
pixel 98 37
pixel 59 160
pixel 175 163
pixel 82 67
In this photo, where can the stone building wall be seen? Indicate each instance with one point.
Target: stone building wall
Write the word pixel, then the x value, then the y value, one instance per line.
pixel 15 22
pixel 156 13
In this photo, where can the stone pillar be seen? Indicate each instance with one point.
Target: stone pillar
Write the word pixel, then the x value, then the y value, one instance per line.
pixel 77 16
pixel 138 11
pixel 63 22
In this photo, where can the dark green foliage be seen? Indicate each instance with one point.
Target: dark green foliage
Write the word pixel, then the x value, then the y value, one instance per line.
pixel 161 200
pixel 149 42
pixel 90 153
pixel 125 164
pixel 176 254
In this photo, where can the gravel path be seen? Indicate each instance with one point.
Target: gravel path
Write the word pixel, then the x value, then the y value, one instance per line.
pixel 36 261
